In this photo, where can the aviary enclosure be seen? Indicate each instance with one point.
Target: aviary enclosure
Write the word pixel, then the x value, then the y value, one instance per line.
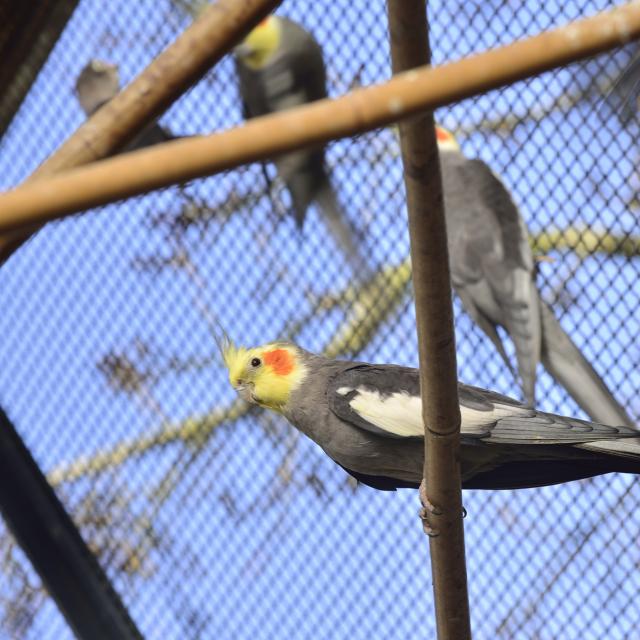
pixel 215 519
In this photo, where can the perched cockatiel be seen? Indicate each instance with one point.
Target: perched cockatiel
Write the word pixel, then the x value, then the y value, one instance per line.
pixel 367 418
pixel 493 273
pixel 96 84
pixel 280 66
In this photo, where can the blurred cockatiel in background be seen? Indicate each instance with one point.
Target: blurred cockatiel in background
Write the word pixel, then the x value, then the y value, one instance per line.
pixel 493 273
pixel 99 82
pixel 280 66
pixel 624 94
pixel 368 419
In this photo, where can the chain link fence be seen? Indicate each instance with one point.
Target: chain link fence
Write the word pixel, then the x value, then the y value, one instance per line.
pixel 215 520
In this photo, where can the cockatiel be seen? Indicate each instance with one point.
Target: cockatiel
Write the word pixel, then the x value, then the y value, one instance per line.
pixel 280 66
pixel 99 82
pixel 493 273
pixel 96 84
pixel 367 418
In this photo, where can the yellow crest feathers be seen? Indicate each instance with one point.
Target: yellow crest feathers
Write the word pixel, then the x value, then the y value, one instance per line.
pixel 262 42
pixel 235 359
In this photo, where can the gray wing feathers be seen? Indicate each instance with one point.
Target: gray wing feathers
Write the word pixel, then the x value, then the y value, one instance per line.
pixel 304 175
pixel 623 95
pixel 486 416
pixel 549 429
pixel 522 322
pixel 564 361
pixel 498 419
pixel 491 262
pixel 489 328
pixel 627 448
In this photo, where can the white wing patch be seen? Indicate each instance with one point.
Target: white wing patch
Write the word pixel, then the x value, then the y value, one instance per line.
pixel 342 391
pixel 398 413
pixel 401 414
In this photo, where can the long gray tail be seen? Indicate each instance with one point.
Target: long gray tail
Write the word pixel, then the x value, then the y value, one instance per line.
pixel 341 229
pixel 564 361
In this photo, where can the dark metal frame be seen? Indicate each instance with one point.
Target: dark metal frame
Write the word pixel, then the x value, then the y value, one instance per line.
pixel 43 528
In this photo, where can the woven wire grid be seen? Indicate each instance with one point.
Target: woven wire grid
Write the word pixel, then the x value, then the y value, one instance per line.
pixel 214 520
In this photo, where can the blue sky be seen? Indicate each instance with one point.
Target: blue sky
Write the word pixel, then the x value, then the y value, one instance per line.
pixel 244 545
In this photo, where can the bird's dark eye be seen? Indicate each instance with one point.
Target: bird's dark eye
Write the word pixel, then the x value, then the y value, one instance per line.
pixel 256 362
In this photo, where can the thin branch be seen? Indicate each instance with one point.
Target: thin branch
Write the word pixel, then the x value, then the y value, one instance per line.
pixel 507 123
pixel 190 430
pixel 585 242
pixel 405 95
pixel 369 307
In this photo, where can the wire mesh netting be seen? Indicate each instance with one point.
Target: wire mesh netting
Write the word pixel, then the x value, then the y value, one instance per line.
pixel 216 520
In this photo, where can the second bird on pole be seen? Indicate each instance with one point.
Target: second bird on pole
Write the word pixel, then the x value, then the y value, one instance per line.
pixel 493 273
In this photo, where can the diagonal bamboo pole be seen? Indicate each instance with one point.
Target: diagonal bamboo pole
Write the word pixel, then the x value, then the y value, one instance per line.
pixel 408 30
pixel 179 66
pixel 314 124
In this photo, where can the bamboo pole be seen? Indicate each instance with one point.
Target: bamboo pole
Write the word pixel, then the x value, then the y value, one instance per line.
pixel 408 30
pixel 314 124
pixel 179 66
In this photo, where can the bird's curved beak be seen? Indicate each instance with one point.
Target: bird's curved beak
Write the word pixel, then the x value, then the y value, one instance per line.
pixel 242 50
pixel 245 391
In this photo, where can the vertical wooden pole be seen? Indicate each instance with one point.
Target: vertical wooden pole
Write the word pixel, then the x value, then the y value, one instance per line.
pixel 434 313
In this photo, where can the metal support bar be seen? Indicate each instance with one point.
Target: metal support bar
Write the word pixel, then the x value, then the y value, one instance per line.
pixel 29 32
pixel 408 29
pixel 42 527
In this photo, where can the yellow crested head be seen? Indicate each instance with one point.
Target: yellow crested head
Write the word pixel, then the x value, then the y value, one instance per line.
pixel 258 47
pixel 265 375
pixel 446 140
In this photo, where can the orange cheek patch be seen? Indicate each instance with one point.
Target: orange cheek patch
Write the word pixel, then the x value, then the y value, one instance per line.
pixel 280 361
pixel 441 135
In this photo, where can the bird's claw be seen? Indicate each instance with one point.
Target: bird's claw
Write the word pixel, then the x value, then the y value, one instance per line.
pixel 427 508
pixel 426 527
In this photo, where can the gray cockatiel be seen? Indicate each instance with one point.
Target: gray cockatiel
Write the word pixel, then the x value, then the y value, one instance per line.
pixel 367 418
pixel 280 66
pixel 493 273
pixel 99 82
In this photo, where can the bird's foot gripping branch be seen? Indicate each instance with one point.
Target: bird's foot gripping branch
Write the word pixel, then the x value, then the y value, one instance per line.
pixel 428 509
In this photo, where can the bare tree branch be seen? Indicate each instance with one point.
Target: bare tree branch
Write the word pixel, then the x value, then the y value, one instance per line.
pixel 190 430
pixel 586 242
